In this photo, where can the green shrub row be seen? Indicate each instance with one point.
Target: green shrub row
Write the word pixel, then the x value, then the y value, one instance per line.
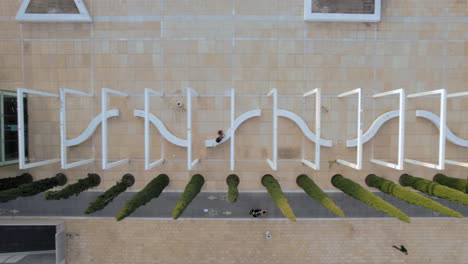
pixel 14 182
pixel 152 190
pixel 356 191
pixel 274 189
pixel 406 195
pixel 433 189
pixel 104 199
pixel 454 183
pixel 232 182
pixel 191 191
pixel 316 193
pixel 33 188
pixel 92 180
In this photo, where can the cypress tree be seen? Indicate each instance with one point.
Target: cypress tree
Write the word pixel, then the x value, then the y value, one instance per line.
pixel 317 194
pixel 15 182
pixel 192 189
pixel 408 196
pixel 92 180
pixel 433 189
pixel 152 190
pixel 274 189
pixel 232 182
pixel 104 199
pixel 33 188
pixel 356 191
pixel 454 183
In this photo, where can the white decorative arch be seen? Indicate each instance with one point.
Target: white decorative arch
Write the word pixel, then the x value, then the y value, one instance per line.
pixel 358 164
pixel 442 130
pixel 104 102
pixel 401 130
pixel 21 140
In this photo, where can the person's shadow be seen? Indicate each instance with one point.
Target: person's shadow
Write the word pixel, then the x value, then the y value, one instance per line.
pixel 402 249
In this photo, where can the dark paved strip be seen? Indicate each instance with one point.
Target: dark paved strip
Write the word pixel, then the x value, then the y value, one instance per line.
pixel 217 205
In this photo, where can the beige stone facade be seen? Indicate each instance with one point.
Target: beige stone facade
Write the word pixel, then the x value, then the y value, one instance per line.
pixel 102 241
pixel 252 46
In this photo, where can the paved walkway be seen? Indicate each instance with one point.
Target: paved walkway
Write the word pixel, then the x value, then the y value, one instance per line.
pixel 212 205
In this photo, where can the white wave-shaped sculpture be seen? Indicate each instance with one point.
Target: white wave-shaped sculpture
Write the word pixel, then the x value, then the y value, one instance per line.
pixel 91 128
pixel 162 129
pixel 436 120
pixel 374 128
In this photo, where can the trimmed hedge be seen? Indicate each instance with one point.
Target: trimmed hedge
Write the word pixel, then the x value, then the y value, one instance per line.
pixel 408 196
pixel 232 182
pixel 454 183
pixel 15 182
pixel 433 189
pixel 152 190
pixel 317 194
pixel 358 192
pixel 191 191
pixel 92 180
pixel 33 188
pixel 274 189
pixel 104 199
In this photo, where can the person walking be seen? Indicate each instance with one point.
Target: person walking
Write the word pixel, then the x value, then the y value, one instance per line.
pixel 220 136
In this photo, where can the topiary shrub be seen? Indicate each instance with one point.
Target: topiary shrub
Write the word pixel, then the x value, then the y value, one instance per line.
pixel 433 189
pixel 408 196
pixel 274 189
pixel 104 199
pixel 92 180
pixel 14 182
pixel 191 191
pixel 356 191
pixel 152 190
pixel 33 188
pixel 454 183
pixel 232 182
pixel 317 194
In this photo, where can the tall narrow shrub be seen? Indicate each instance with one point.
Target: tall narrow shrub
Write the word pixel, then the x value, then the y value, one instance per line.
pixel 104 199
pixel 232 182
pixel 191 191
pixel 433 189
pixel 15 182
pixel 274 189
pixel 356 191
pixel 454 183
pixel 92 180
pixel 152 190
pixel 408 196
pixel 317 194
pixel 33 188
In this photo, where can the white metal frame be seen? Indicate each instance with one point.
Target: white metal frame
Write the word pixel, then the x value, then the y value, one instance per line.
pixel 454 162
pixel 358 164
pixel 83 16
pixel 21 141
pixel 442 130
pixel 318 111
pixel 190 164
pixel 342 17
pixel 274 162
pixel 232 146
pixel 401 130
pixel 148 164
pixel 64 143
pixel 104 102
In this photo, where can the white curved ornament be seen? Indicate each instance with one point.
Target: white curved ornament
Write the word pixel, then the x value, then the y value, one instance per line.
pixel 436 121
pixel 374 128
pixel 162 128
pixel 93 125
pixel 241 119
pixel 303 126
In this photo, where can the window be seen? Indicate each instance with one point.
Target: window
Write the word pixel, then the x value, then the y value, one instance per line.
pixel 342 10
pixel 9 127
pixel 53 11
